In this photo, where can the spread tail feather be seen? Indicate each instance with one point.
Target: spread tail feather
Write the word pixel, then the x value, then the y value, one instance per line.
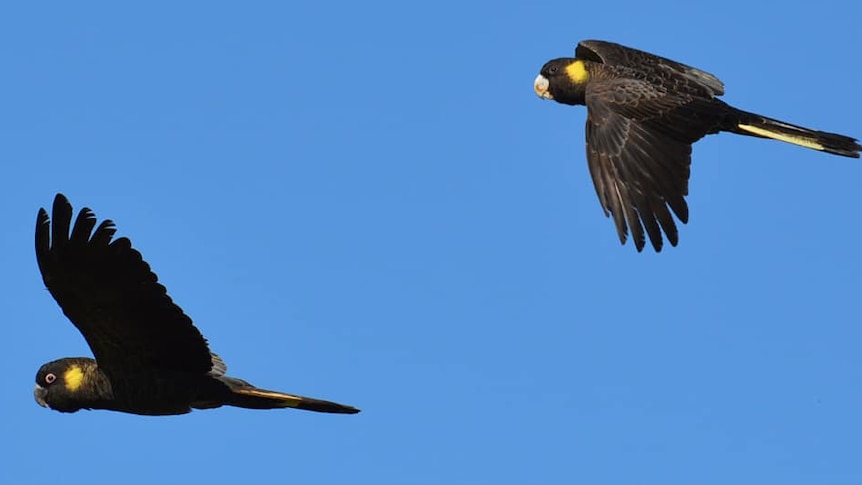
pixel 756 125
pixel 254 398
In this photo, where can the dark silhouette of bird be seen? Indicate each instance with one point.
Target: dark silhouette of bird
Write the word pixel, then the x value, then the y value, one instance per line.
pixel 643 114
pixel 150 358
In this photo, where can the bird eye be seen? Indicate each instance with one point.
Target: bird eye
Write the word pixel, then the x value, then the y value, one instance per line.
pixel 50 378
pixel 552 70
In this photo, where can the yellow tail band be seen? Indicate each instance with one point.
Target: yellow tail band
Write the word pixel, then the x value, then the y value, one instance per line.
pixel 287 400
pixel 795 139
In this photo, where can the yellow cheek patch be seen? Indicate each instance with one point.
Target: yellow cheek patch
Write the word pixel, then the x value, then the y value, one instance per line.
pixel 73 377
pixel 796 140
pixel 577 72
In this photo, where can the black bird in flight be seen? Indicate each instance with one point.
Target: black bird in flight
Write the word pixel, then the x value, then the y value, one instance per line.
pixel 150 358
pixel 643 114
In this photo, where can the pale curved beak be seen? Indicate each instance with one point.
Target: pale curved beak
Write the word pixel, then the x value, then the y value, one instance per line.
pixel 540 85
pixel 39 393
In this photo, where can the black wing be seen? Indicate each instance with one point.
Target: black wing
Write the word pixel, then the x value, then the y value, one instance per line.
pixel 639 155
pixel 110 294
pixel 662 70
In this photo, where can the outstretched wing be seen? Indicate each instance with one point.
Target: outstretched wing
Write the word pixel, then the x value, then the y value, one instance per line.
pixel 110 294
pixel 640 167
pixel 681 77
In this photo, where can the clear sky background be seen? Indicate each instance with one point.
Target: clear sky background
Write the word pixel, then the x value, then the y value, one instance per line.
pixel 366 202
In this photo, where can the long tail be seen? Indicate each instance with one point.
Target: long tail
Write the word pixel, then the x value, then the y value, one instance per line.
pixel 244 395
pixel 756 125
pixel 255 398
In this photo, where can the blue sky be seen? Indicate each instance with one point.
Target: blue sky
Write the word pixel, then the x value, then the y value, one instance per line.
pixel 366 202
